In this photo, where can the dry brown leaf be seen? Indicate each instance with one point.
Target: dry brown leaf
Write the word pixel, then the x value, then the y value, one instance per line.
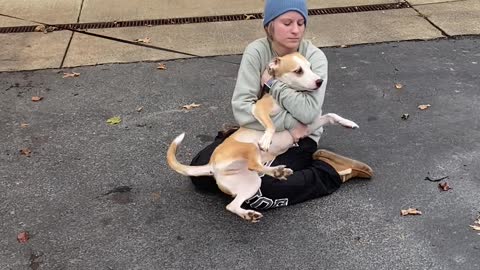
pixel 50 29
pixel 444 186
pixel 36 98
pixel 23 237
pixel 70 75
pixel 398 85
pixel 190 106
pixel 155 196
pixel 424 106
pixel 26 152
pixel 162 66
pixel 143 40
pixel 139 109
pixel 249 16
pixel 475 227
pixel 45 29
pixel 40 28
pixel 24 125
pixel 410 211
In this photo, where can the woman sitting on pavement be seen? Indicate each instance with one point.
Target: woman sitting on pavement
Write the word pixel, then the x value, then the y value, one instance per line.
pixel 316 172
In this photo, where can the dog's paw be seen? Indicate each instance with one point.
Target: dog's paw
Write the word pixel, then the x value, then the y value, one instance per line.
pixel 348 123
pixel 252 216
pixel 281 172
pixel 265 142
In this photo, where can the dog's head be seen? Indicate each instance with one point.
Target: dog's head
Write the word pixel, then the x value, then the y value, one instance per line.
pixel 294 70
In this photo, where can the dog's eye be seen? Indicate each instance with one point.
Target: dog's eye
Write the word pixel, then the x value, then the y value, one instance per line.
pixel 299 71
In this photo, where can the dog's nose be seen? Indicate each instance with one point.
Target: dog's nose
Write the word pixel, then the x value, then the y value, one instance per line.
pixel 319 82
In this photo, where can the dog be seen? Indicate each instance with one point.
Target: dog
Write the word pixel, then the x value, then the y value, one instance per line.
pixel 237 162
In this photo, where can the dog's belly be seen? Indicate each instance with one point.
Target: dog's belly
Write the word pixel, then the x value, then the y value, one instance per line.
pixel 281 141
pixel 242 181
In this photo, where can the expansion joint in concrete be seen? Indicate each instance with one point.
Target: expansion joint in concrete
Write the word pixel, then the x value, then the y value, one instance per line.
pixel 429 21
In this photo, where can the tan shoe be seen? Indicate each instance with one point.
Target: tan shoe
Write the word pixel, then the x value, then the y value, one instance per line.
pixel 347 168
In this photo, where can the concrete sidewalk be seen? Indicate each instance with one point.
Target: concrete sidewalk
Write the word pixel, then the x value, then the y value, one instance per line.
pixel 428 19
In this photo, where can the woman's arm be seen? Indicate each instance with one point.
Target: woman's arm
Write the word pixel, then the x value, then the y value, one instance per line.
pixel 246 89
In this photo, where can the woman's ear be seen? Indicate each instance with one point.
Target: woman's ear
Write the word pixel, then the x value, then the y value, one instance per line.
pixel 273 66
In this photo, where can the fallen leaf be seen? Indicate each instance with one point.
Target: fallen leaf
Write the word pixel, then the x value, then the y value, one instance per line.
pixel 23 237
pixel 444 186
pixel 50 29
pixel 475 227
pixel 70 75
pixel 40 28
pixel 155 196
pixel 148 25
pixel 114 120
pixel 143 40
pixel 410 211
pixel 249 16
pixel 190 106
pixel 162 66
pixel 424 106
pixel 398 85
pixel 139 109
pixel 24 125
pixel 36 98
pixel 26 152
pixel 405 116
pixel 343 46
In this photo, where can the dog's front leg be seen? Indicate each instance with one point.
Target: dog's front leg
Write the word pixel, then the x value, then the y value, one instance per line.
pixel 261 111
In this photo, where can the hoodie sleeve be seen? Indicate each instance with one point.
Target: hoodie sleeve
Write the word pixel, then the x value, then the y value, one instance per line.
pixel 246 90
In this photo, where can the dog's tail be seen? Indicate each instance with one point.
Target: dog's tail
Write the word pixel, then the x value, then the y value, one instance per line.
pixel 185 169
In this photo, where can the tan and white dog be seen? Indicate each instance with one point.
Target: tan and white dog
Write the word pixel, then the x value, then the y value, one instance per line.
pixel 237 162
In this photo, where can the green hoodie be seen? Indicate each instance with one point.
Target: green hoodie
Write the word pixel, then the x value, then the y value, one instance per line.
pixel 297 106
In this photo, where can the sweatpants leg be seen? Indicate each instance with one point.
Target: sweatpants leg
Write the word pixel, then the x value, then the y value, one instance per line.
pixel 311 179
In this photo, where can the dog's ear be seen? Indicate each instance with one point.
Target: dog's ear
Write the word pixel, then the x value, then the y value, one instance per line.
pixel 273 66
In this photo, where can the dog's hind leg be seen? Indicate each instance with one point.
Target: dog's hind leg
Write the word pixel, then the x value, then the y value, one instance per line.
pixel 331 119
pixel 248 215
pixel 247 184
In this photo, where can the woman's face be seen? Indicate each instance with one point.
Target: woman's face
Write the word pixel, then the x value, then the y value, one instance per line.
pixel 288 30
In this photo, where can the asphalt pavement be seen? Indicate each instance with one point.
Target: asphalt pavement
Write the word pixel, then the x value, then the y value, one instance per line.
pixel 98 196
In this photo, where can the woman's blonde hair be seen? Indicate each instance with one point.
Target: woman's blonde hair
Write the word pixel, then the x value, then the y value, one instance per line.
pixel 269 31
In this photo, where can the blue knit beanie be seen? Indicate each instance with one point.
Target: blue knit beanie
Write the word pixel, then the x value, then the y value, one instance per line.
pixel 275 8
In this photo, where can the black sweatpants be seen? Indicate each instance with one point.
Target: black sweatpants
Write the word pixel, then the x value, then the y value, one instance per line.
pixel 310 179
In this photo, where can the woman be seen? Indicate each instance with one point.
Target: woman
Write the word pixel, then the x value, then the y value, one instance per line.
pixel 316 173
